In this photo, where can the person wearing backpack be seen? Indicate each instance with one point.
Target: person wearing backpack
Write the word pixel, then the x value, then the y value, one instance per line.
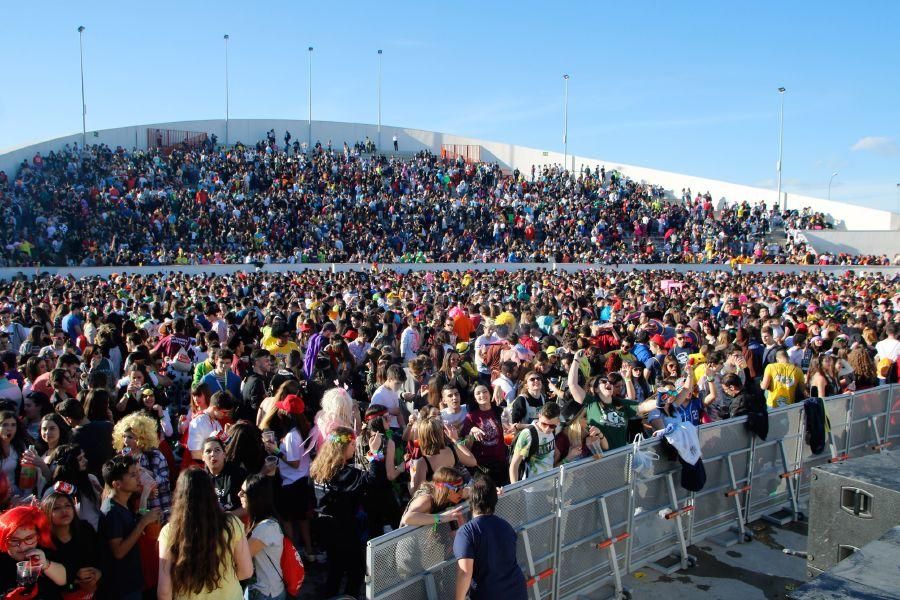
pixel 267 544
pixel 535 450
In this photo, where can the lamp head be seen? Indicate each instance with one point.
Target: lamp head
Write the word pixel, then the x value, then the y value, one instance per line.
pixel 80 28
pixel 781 89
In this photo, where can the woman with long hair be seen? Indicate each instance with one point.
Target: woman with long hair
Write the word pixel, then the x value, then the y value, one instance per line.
pixel 482 431
pixel 136 434
pixel 77 544
pixel 286 435
pixel 24 536
pixel 34 368
pixel 344 486
pixel 447 488
pixel 13 443
pixel 245 447
pixel 863 367
pixel 265 538
pixel 291 386
pixel 54 432
pixel 71 466
pixel 440 447
pixel 202 550
pixel 823 377
pixel 226 477
pixel 452 374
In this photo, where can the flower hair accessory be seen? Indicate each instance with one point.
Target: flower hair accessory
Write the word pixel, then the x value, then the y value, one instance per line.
pixel 341 438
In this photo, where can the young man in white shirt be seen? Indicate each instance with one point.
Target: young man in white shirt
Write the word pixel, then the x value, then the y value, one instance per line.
pixel 388 395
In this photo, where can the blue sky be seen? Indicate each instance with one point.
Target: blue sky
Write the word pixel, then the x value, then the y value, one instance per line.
pixel 682 86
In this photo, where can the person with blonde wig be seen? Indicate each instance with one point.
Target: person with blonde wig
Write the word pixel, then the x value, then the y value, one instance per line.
pixel 338 410
pixel 136 435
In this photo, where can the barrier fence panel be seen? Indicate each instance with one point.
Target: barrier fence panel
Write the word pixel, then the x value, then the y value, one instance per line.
pixel 588 523
pixel 719 506
pixel 530 506
pixel 893 426
pixel 412 563
pixel 594 501
pixel 660 506
pixel 774 465
pixel 867 427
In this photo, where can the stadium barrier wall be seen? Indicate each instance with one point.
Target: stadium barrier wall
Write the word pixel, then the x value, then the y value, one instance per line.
pixel 585 525
pixel 508 156
pixel 231 269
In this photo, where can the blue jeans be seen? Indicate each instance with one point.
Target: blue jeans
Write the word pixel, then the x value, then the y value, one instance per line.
pixel 254 595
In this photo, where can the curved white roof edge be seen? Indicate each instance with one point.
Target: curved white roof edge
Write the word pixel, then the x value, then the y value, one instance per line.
pixel 846 216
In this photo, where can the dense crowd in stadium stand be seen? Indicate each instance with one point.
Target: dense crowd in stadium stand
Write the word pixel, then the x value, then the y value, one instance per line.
pixel 148 420
pixel 266 203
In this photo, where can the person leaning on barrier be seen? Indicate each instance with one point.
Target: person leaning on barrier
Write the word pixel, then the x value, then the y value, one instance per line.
pixel 485 551
pixel 745 398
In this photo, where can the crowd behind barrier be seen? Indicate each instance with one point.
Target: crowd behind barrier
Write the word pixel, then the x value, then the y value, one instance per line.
pixel 265 202
pixel 202 426
pixel 587 524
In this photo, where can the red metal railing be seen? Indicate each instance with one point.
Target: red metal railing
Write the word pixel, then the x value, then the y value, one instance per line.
pixel 468 152
pixel 170 139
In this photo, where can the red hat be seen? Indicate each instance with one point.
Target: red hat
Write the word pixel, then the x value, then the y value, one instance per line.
pixel 350 334
pixel 802 328
pixel 658 340
pixel 292 403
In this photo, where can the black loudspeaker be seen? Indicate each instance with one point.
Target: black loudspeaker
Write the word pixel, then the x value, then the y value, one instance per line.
pixel 851 503
pixel 870 573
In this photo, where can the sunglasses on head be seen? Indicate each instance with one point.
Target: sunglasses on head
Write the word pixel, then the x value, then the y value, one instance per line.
pixel 456 486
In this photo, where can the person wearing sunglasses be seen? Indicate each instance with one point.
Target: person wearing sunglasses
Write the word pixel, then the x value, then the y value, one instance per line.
pixel 446 489
pixel 535 450
pixel 607 410
pixel 25 538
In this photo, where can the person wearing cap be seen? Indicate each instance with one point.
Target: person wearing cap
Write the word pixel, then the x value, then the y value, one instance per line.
pixel 255 387
pixel 286 436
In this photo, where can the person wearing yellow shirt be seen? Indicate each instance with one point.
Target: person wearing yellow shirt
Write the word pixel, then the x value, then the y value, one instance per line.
pixel 782 381
pixel 278 341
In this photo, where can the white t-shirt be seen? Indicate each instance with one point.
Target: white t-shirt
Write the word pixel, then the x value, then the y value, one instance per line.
pixel 200 428
pixel 267 563
pixel 292 449
pixel 889 349
pixel 389 399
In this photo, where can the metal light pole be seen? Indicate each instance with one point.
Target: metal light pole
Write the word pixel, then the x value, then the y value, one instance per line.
pixel 898 197
pixel 226 90
pixel 833 175
pixel 565 121
pixel 781 91
pixel 379 100
pixel 83 105
pixel 309 121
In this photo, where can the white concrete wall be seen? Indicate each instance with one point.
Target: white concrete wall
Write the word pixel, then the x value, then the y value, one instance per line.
pixel 855 242
pixel 510 156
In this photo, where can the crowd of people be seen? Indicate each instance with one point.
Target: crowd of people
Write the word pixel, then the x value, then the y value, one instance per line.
pixel 173 435
pixel 269 203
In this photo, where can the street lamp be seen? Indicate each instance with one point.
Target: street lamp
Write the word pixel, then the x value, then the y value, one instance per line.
pixel 226 90
pixel 309 121
pixel 833 175
pixel 781 91
pixel 83 106
pixel 565 121
pixel 379 99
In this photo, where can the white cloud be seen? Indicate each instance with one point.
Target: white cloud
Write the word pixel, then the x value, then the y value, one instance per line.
pixel 884 146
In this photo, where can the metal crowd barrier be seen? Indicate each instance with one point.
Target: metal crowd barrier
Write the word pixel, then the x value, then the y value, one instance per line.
pixel 584 525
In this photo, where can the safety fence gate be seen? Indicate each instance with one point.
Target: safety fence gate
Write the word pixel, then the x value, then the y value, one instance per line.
pixel 582 527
